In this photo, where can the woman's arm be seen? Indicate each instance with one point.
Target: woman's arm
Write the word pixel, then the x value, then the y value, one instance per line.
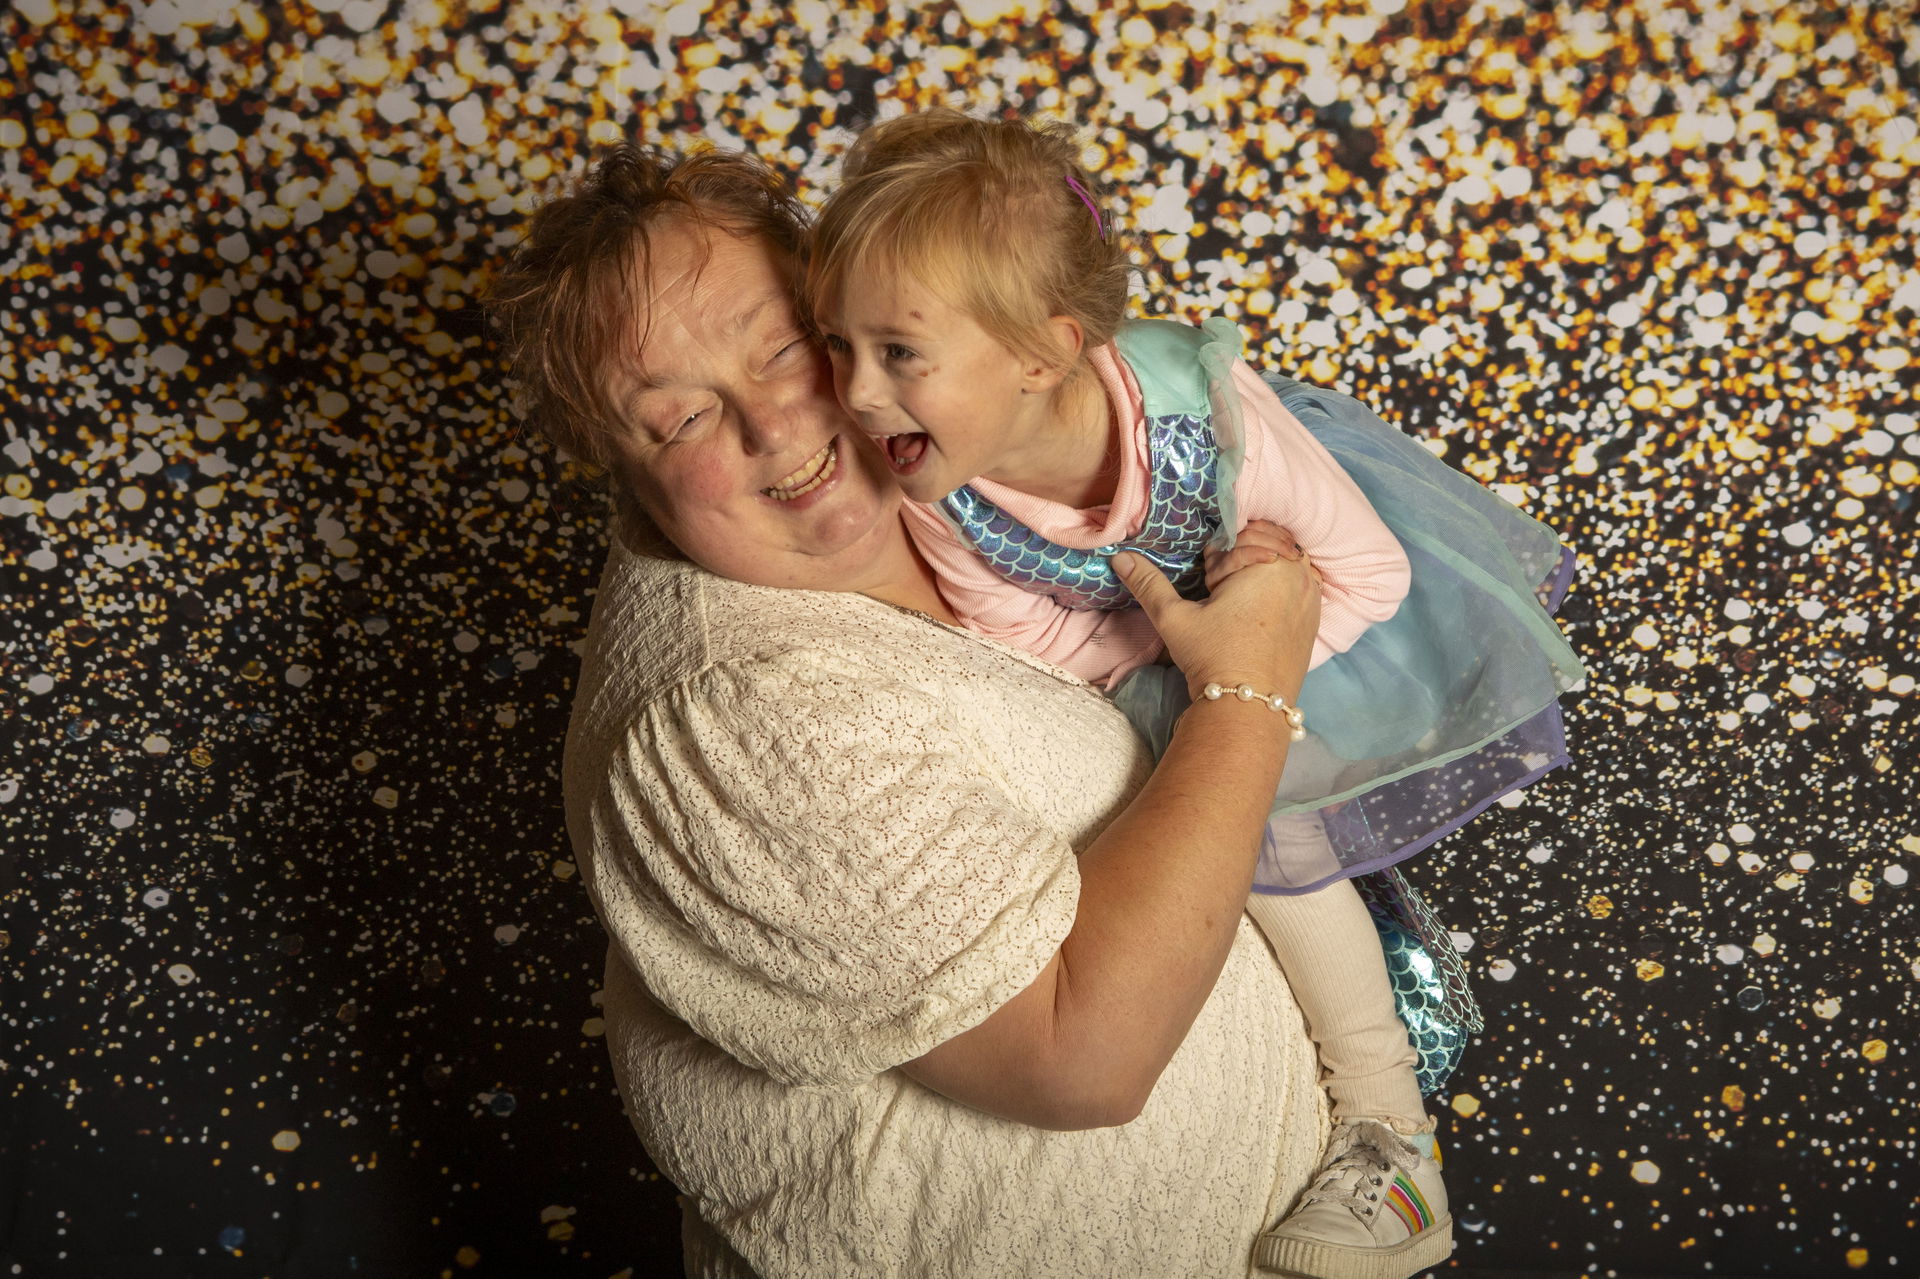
pixel 1162 889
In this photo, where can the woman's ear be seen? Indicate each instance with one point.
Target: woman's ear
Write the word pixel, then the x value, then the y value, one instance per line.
pixel 1064 334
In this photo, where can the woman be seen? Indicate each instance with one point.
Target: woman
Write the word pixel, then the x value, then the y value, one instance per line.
pixel 917 967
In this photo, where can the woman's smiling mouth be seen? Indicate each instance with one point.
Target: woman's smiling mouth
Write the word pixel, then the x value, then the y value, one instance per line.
pixel 812 473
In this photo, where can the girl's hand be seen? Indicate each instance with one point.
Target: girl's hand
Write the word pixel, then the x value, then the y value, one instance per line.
pixel 1258 543
pixel 1257 628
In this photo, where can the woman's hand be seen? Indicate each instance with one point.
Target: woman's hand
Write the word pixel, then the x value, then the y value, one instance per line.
pixel 1258 626
pixel 1258 543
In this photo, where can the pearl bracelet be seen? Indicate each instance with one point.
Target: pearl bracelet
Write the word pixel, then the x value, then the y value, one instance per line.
pixel 1296 720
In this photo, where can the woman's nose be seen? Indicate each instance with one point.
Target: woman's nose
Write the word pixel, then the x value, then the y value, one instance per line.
pixel 766 425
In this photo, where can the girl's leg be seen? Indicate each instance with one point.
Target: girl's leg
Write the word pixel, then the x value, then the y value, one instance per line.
pixel 1378 1206
pixel 1330 952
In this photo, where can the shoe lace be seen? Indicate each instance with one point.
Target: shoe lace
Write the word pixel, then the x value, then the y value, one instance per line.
pixel 1363 1157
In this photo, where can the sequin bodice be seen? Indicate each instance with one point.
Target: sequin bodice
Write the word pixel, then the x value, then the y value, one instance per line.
pixel 1183 512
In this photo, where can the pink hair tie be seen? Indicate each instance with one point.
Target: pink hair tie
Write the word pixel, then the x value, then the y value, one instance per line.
pixel 1087 200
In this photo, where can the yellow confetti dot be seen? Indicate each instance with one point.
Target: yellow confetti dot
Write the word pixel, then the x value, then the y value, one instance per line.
pixel 1507 106
pixel 1599 907
pixel 387 797
pixel 1466 1105
pixel 1733 1097
pixel 1587 249
pixel 1649 970
pixel 468 1257
pixel 1856 1258
pixel 1874 1050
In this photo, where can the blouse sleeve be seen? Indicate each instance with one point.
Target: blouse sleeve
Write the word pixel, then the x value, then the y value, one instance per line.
pixel 1292 480
pixel 803 864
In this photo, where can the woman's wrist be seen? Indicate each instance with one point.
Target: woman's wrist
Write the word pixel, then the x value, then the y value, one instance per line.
pixel 1255 698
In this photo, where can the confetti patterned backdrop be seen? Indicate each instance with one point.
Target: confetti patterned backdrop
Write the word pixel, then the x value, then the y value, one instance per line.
pixel 299 979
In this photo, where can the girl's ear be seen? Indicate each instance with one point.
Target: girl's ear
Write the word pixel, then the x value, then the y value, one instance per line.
pixel 1065 335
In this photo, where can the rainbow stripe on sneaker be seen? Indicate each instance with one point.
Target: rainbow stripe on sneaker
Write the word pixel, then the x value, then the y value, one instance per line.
pixel 1409 1205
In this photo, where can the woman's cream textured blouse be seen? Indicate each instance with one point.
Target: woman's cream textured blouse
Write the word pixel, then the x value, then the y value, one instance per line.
pixel 824 836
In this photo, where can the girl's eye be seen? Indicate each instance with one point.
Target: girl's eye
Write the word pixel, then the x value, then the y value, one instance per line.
pixel 835 343
pixel 897 352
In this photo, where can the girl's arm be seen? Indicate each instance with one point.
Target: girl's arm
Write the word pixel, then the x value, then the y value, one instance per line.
pixel 1098 646
pixel 1292 480
pixel 1163 888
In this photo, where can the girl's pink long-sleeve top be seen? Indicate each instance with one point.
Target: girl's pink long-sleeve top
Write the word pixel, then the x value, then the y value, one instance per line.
pixel 1289 479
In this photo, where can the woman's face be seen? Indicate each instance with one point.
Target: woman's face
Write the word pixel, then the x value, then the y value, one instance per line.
pixel 736 446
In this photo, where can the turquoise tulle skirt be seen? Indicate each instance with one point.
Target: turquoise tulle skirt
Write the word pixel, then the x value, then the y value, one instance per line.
pixel 1434 713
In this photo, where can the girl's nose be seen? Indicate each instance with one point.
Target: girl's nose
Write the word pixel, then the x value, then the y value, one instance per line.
pixel 864 388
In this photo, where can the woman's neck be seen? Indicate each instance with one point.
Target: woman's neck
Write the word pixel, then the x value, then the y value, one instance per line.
pixel 1074 457
pixel 904 579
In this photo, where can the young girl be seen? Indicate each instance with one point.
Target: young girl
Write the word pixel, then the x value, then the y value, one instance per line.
pixel 972 292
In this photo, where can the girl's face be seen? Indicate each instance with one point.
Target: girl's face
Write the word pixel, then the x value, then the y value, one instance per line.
pixel 945 400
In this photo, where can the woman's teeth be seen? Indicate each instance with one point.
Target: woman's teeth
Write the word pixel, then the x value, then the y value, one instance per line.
pixel 814 472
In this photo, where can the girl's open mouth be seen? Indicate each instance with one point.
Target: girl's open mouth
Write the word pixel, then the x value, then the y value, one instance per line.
pixel 906 452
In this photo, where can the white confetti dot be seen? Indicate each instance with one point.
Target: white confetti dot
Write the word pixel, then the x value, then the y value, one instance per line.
pixel 1895 875
pixel 1514 181
pixel 156 744
pixel 1624 315
pixel 156 898
pixel 1646 1172
pixel 1502 970
pixel 180 973
pixel 1729 954
pixel 1810 244
pixel 1797 534
pixel 121 818
pixel 298 675
pixel 1740 833
pixel 1738 610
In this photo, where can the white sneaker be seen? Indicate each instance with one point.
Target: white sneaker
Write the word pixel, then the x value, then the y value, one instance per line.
pixel 1377 1210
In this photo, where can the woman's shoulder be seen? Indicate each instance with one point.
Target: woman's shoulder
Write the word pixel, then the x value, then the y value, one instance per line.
pixel 661 628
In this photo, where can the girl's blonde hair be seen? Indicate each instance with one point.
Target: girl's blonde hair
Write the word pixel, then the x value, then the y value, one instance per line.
pixel 997 217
